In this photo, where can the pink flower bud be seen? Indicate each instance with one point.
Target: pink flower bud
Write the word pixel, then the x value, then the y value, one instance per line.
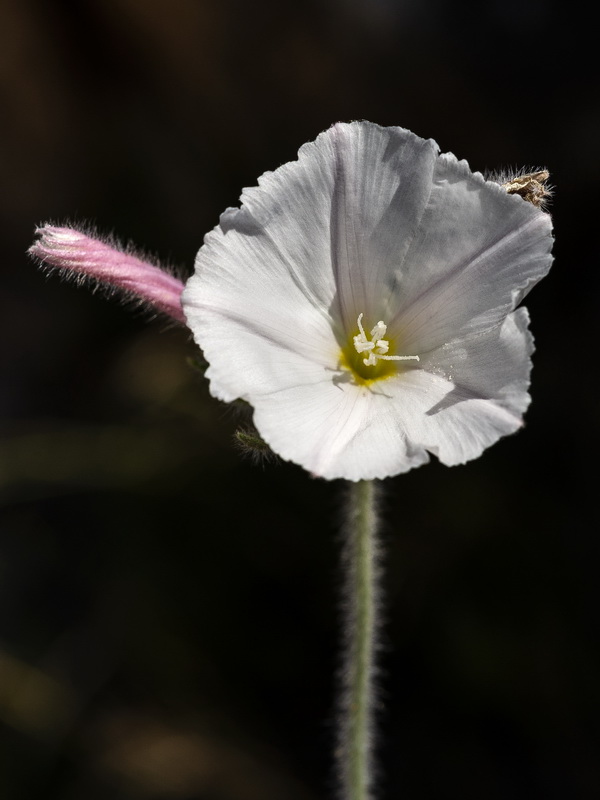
pixel 74 253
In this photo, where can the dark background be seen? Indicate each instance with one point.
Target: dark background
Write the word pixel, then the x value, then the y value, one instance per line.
pixel 168 623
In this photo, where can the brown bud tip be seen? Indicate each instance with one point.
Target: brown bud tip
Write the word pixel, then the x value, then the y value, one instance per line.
pixel 531 187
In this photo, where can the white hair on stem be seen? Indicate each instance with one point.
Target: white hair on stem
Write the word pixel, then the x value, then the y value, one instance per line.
pixel 360 604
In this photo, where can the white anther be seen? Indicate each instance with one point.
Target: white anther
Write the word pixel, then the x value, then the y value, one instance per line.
pixel 378 331
pixel 361 345
pixel 378 346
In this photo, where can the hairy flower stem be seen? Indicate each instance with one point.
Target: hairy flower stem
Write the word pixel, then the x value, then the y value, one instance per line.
pixel 360 559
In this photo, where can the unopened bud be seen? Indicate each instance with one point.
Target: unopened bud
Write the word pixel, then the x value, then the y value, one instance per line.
pixel 75 254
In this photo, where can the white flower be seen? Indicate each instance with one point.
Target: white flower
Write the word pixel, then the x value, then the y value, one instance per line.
pixel 362 300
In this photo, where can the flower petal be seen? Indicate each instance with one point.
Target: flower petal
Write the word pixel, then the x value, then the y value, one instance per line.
pixel 255 349
pixel 382 186
pixel 337 431
pixel 469 394
pixel 477 253
pixel 264 284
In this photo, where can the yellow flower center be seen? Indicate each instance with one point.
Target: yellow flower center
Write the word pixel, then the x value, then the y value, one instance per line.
pixel 368 356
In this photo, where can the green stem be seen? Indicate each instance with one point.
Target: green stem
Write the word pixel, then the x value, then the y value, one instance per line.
pixel 360 607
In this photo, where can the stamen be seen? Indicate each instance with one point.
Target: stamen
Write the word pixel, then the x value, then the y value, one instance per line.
pixel 378 346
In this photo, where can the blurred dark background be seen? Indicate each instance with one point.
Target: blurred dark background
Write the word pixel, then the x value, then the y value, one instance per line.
pixel 168 623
